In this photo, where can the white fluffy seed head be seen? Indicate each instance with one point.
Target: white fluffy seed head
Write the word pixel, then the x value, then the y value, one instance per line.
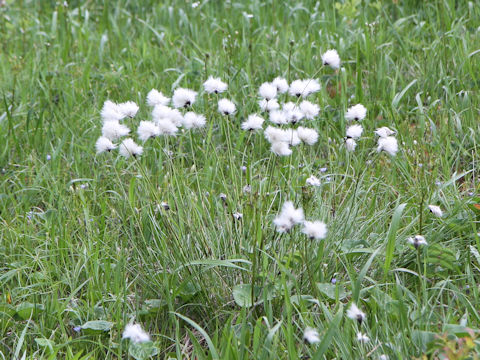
pixel 183 98
pixel 288 217
pixel 113 130
pixel 111 112
pixel 303 87
pixel 291 136
pixel 104 144
pixel 214 85
pixel 254 122
pixel 167 127
pixel 192 120
pixel 388 144
pixel 384 132
pixel 147 130
pixel 161 112
pixel 356 112
pixel 281 84
pixel 135 333
pixel 308 136
pixel 155 97
pixel 278 117
pixel 226 107
pixel 354 131
pixel 350 144
pixel 313 181
pixel 129 109
pixel 331 58
pixel 355 313
pixel 436 210
pixel 281 148
pixel 315 229
pixel 362 338
pixel 309 110
pixel 128 148
pixel 269 105
pixel 417 240
pixel 311 336
pixel 268 91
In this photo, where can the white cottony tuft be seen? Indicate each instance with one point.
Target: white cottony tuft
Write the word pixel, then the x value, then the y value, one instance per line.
pixel 309 110
pixel 281 85
pixel 362 338
pixel 167 127
pixel 192 120
pixel 183 98
pixel 354 131
pixel 254 122
pixel 281 148
pixel 292 113
pixel 355 313
pixel 135 333
pixel 313 181
pixel 356 112
pixel 315 229
pixel 110 112
pixel 147 130
pixel 214 85
pixel 267 91
pixel 308 136
pixel 161 112
pixel 388 144
pixel 350 144
pixel 417 241
pixel 331 58
pixel 436 210
pixel 311 336
pixel 291 136
pixel 104 144
pixel 128 109
pixel 288 217
pixel 113 130
pixel 383 357
pixel 269 105
pixel 384 132
pixel 278 117
pixel 303 87
pixel 128 148
pixel 226 107
pixel 155 97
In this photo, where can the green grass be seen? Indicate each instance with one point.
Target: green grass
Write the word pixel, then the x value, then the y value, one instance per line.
pixel 69 254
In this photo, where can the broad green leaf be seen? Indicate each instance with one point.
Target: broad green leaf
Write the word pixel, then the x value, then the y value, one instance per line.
pixel 97 326
pixel 142 351
pixel 330 290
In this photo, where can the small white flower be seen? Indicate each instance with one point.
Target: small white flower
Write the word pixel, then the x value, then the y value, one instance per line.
pixel 313 181
pixel 281 148
pixel 237 215
pixel 113 130
pixel 384 132
pixel 331 58
pixel 128 108
pixel 269 105
pixel 354 131
pixel 278 117
pixel 128 148
pixel 315 229
pixel 281 84
pixel 355 313
pixel 192 120
pixel 195 4
pixel 388 144
pixel 288 217
pixel 311 336
pixel 161 112
pixel 436 210
pixel 110 112
pixel 147 130
pixel 183 98
pixel 226 107
pixel 417 241
pixel 308 136
pixel 104 144
pixel 309 110
pixel 155 97
pixel 356 112
pixel 167 127
pixel 214 85
pixel 350 144
pixel 135 333
pixel 362 338
pixel 254 122
pixel 267 91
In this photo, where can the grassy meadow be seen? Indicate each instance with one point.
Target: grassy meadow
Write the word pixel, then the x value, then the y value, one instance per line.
pixel 92 242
